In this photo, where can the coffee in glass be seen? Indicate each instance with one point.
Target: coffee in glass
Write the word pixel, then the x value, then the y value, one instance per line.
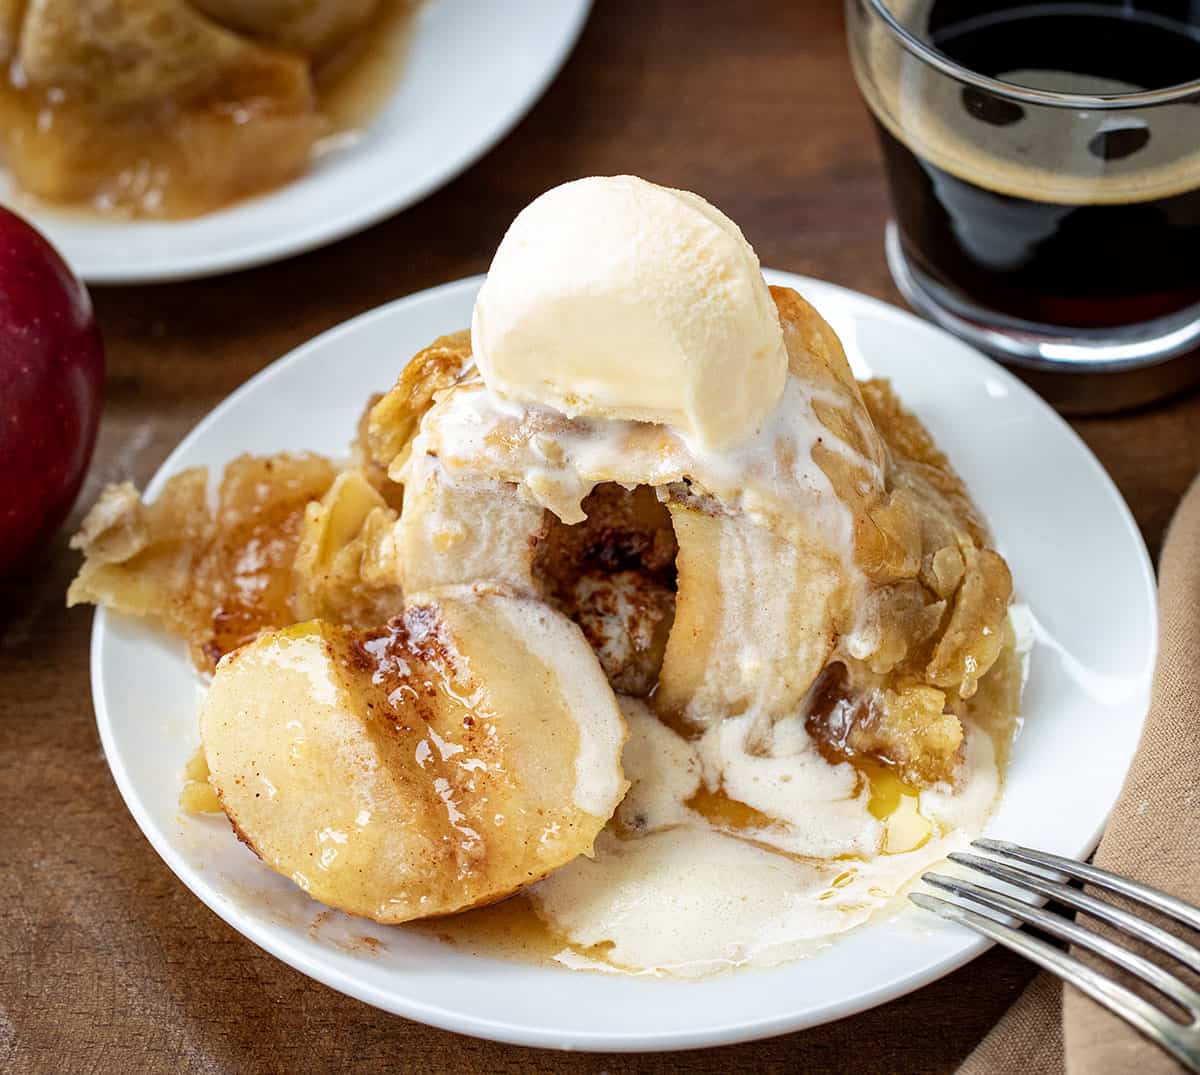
pixel 1044 161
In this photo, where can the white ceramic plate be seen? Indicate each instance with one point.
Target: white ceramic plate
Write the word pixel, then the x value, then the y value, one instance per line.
pixel 1075 553
pixel 472 70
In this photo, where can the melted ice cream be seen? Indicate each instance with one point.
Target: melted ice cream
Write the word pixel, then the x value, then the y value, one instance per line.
pixel 671 892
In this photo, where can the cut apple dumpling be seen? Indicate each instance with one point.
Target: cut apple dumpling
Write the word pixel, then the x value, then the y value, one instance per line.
pixel 833 567
pixel 442 761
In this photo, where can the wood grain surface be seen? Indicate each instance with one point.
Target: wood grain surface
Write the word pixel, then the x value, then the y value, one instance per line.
pixel 107 963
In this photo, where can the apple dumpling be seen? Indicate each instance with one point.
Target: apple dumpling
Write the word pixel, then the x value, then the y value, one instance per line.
pixel 168 108
pixel 643 497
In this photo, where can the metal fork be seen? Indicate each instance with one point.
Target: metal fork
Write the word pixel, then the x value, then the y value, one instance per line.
pixel 1180 1038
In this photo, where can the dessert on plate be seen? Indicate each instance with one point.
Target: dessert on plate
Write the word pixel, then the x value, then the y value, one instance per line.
pixel 172 108
pixel 630 601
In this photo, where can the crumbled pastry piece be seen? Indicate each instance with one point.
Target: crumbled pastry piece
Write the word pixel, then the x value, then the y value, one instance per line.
pixel 141 559
pixel 973 638
pixel 919 458
pixel 998 698
pixel 216 579
pixel 347 566
pixel 197 795
pixel 905 725
pixel 246 573
pixel 444 760
pixel 362 460
pixel 956 565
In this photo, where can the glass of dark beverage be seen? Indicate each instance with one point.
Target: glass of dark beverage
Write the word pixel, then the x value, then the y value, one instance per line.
pixel 1044 161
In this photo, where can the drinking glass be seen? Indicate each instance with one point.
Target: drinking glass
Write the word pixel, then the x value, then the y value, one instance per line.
pixel 1044 165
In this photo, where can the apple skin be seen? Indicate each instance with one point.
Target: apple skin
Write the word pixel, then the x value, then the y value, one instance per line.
pixel 51 389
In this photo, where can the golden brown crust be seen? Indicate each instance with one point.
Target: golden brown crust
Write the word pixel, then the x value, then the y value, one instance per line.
pixel 393 421
pixel 939 609
pixel 918 454
pixel 346 567
pixel 811 343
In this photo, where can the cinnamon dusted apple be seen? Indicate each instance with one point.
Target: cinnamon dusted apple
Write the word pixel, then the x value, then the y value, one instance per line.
pixel 444 760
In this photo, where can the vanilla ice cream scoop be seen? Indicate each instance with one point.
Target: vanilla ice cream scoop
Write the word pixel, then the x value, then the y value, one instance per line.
pixel 617 298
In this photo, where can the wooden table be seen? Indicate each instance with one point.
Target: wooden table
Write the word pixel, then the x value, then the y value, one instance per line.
pixel 107 963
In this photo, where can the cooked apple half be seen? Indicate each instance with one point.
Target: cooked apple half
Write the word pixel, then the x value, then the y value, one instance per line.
pixel 440 762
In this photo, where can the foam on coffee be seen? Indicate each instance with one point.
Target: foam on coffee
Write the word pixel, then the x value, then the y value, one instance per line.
pixel 1043 155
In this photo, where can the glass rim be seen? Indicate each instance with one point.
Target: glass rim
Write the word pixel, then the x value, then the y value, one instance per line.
pixel 1027 94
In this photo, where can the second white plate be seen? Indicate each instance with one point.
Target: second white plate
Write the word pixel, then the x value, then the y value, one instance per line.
pixel 1075 553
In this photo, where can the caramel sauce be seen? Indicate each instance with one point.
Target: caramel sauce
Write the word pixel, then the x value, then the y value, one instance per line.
pixel 892 802
pixel 510 929
pixel 176 153
pixel 722 812
pixel 897 804
pixel 354 84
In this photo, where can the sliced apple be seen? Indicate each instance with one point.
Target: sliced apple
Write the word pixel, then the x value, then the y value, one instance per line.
pixel 461 752
pixel 755 619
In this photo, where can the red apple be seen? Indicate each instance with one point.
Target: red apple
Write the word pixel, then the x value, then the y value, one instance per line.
pixel 51 386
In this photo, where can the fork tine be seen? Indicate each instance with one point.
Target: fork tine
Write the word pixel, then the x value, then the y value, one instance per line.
pixel 1057 926
pixel 1140 1014
pixel 1093 875
pixel 1082 901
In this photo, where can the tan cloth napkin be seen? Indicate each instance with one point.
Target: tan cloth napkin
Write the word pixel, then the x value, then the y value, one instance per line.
pixel 1153 836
